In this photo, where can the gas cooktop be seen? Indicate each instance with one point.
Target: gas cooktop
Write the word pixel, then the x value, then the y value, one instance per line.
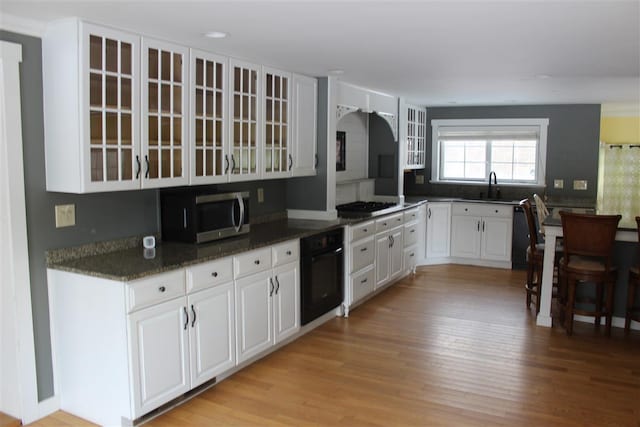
pixel 363 209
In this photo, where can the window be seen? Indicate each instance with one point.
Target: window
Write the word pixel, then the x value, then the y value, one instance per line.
pixel 469 150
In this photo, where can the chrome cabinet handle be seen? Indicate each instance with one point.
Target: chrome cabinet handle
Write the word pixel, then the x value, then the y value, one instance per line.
pixel 193 310
pixel 483 226
pixel 233 163
pixel 226 162
pixel 429 212
pixel 186 318
pixel 478 225
pixel 363 280
pixel 277 285
pixel 271 291
pixel 146 161
pixel 290 161
pixel 363 249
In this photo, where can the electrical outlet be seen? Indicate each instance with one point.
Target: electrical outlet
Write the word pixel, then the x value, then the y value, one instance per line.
pixel 579 184
pixel 65 215
pixel 260 195
pixel 419 179
pixel 558 183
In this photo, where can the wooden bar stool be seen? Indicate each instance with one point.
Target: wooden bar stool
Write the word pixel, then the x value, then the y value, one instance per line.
pixel 633 310
pixel 535 256
pixel 588 245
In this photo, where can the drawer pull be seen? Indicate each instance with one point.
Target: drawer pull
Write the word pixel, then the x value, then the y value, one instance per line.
pixel 496 210
pixel 384 223
pixel 214 274
pixel 412 230
pixel 363 249
pixel 289 253
pixel 256 262
pixel 162 289
pixel 411 254
pixel 363 280
pixel 365 230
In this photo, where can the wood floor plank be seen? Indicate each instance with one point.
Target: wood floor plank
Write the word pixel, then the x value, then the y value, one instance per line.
pixel 449 346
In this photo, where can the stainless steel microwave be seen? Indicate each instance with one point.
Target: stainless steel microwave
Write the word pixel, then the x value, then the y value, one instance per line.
pixel 194 217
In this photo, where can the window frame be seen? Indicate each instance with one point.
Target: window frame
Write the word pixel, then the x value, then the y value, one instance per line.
pixel 436 152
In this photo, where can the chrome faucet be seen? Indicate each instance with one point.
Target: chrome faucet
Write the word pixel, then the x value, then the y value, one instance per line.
pixel 495 182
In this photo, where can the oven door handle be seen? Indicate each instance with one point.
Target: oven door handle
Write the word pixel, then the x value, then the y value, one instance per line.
pixel 324 254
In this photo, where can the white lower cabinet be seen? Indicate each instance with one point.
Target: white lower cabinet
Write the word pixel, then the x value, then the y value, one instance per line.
pixel 482 232
pixel 211 333
pixel 438 230
pixel 159 354
pixel 389 254
pixel 268 302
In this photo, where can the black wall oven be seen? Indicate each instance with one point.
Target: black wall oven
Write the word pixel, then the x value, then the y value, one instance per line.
pixel 322 268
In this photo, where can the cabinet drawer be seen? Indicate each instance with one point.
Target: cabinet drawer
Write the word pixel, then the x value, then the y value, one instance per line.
pixel 482 209
pixel 285 252
pixel 362 284
pixel 410 257
pixel 388 222
pixel 155 289
pixel 362 254
pixel 411 215
pixel 209 274
pixel 410 234
pixel 361 231
pixel 252 262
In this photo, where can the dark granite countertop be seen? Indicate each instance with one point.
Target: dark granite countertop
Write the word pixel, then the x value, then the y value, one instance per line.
pixel 129 263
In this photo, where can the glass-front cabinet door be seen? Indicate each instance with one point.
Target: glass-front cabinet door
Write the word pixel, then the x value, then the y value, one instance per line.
pixel 277 157
pixel 416 123
pixel 244 89
pixel 210 162
pixel 112 121
pixel 164 103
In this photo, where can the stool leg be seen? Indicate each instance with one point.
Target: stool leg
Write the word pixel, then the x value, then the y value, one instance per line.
pixel 609 307
pixel 631 296
pixel 529 282
pixel 538 272
pixel 599 296
pixel 571 284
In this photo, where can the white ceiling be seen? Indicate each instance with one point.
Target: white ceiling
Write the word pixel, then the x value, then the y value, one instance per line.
pixel 432 52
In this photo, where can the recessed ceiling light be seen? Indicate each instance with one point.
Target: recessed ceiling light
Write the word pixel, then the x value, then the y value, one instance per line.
pixel 336 72
pixel 216 35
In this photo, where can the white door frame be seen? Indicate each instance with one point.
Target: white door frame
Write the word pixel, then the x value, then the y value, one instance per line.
pixel 14 280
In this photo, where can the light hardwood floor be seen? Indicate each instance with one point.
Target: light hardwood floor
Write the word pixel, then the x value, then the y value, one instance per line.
pixel 450 346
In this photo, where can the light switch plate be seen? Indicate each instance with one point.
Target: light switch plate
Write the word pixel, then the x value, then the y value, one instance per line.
pixel 419 179
pixel 558 183
pixel 261 195
pixel 579 184
pixel 65 215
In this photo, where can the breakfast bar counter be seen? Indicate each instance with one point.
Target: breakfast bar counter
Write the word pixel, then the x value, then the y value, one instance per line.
pixel 553 230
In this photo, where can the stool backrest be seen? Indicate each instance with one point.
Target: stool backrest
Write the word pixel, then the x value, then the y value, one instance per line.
pixel 525 204
pixel 541 211
pixel 589 235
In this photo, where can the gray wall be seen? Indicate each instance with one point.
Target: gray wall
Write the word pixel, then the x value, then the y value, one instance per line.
pixel 572 149
pixel 310 193
pixel 102 216
pixel 383 156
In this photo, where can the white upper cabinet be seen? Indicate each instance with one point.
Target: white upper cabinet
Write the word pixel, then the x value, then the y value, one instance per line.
pixel 209 150
pixel 125 112
pixel 304 126
pixel 413 130
pixel 277 160
pixel 353 98
pixel 91 78
pixel 164 105
pixel 244 94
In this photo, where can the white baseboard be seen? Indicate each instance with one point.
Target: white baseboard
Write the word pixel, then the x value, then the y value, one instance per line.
pixel 617 322
pixel 317 215
pixel 44 408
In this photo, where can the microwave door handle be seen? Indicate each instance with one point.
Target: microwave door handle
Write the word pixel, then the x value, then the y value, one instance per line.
pixel 184 218
pixel 241 203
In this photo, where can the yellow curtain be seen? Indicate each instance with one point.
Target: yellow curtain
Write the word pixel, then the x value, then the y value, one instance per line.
pixel 621 182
